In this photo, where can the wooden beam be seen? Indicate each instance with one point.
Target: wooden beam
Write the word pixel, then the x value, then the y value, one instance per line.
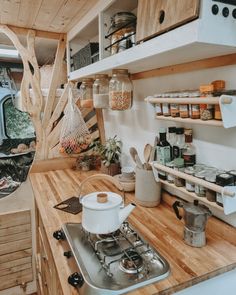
pixel 38 33
pixel 212 62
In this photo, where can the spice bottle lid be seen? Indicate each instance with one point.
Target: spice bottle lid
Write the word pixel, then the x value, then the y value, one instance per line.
pixel 120 71
pixel 101 76
pixel 179 130
pixel 172 129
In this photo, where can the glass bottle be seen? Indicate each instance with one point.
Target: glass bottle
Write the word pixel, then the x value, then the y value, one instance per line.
pixel 171 138
pixel 179 143
pixel 101 91
pixel 86 93
pixel 120 90
pixel 189 152
pixel 163 154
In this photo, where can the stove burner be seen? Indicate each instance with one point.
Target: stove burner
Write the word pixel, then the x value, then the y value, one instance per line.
pixel 109 237
pixel 131 262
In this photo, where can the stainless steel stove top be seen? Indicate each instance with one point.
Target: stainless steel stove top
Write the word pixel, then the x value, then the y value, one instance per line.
pixel 115 263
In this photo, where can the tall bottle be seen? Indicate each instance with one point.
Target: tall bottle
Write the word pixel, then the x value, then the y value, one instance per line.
pixel 163 151
pixel 171 139
pixel 189 152
pixel 179 144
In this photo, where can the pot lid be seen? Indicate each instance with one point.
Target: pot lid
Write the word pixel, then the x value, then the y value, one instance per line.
pixel 101 200
pixel 195 208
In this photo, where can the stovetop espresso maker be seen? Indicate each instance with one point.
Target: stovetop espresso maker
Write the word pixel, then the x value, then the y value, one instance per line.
pixel 195 217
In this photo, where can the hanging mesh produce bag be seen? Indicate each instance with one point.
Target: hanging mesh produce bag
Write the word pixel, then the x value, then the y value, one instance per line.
pixel 75 136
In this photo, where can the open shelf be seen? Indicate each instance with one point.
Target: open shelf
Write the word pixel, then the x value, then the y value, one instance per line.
pixel 198 181
pixel 215 123
pixel 192 195
pixel 174 47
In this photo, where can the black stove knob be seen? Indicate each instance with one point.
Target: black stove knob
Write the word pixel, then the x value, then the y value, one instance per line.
pixel 68 254
pixel 225 12
pixel 215 9
pixel 76 280
pixel 59 235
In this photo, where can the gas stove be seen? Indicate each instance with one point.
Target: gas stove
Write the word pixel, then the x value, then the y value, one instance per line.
pixel 116 263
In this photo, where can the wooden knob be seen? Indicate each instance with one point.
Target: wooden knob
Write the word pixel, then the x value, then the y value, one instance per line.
pixel 102 198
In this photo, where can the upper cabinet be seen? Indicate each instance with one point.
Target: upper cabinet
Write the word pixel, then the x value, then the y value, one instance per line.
pixel 167 32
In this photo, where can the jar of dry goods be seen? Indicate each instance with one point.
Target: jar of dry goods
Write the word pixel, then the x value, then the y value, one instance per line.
pixel 189 185
pixel 195 108
pixel 184 108
pixel 101 91
pixel 120 90
pixel 170 177
pixel 86 93
pixel 210 194
pixel 179 166
pixel 206 110
pixel 200 190
pixel 218 85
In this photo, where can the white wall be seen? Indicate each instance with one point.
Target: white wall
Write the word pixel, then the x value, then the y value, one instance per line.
pixel 216 146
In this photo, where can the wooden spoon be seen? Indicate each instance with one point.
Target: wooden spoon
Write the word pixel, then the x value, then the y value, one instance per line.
pixel 147 152
pixel 135 157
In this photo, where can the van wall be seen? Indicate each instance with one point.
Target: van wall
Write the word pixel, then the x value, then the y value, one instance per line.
pixel 216 146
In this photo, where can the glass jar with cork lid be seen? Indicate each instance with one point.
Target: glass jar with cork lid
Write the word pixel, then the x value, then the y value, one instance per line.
pixel 120 90
pixel 86 93
pixel 101 91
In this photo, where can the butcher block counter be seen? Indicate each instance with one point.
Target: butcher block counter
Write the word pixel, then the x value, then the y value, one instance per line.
pixel 159 226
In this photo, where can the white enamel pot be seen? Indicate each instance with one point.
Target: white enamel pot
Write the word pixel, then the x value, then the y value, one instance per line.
pixel 103 212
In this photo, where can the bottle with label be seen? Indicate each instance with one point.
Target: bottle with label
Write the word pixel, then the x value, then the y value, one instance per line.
pixel 179 144
pixel 163 153
pixel 189 152
pixel 223 179
pixel 171 138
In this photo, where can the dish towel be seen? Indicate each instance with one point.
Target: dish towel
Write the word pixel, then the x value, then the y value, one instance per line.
pixel 229 203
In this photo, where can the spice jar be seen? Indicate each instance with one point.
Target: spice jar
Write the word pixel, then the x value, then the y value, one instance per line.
pixel 189 185
pixel 218 85
pixel 233 172
pixel 165 106
pixel 206 110
pixel 120 90
pixel 86 93
pixel 101 91
pixel 210 194
pixel 179 165
pixel 223 179
pixel 195 108
pixel 200 190
pixel 170 177
pixel 158 106
pixel 184 108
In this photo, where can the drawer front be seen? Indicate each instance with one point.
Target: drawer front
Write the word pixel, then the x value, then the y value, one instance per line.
pixel 157 16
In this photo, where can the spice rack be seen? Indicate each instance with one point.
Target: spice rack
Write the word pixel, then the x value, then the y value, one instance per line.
pixel 195 180
pixel 227 104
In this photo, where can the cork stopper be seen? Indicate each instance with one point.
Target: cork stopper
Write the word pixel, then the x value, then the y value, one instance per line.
pixel 102 198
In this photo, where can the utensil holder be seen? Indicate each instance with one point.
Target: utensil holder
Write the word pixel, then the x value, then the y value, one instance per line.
pixel 147 190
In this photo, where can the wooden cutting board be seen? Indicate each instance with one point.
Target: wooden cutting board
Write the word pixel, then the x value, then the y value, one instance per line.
pixel 157 16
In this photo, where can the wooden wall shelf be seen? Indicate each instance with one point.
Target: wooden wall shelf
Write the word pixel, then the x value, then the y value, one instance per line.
pixel 193 179
pixel 214 123
pixel 192 195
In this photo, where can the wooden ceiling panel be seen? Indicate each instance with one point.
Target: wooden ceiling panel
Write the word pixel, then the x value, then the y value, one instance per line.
pixel 46 15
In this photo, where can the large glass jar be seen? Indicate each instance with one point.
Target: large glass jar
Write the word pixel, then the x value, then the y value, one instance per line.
pixel 86 93
pixel 120 90
pixel 101 91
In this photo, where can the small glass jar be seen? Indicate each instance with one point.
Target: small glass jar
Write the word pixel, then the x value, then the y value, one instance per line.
pixel 120 90
pixel 210 194
pixel 101 91
pixel 206 110
pixel 194 108
pixel 170 177
pixel 179 165
pixel 184 108
pixel 86 93
pixel 200 190
pixel 189 185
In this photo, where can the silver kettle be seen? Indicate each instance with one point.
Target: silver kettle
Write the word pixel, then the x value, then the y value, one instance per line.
pixel 195 215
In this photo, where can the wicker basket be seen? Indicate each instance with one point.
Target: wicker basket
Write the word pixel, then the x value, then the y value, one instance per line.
pixel 86 56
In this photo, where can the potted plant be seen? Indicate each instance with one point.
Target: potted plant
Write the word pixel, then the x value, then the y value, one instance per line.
pixel 110 153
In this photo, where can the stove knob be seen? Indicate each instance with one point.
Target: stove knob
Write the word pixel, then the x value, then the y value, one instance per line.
pixel 68 254
pixel 76 280
pixel 59 235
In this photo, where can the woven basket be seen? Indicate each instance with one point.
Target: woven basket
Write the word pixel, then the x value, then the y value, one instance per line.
pixel 86 56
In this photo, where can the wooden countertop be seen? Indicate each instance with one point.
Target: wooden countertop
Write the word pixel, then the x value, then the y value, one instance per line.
pixel 158 225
